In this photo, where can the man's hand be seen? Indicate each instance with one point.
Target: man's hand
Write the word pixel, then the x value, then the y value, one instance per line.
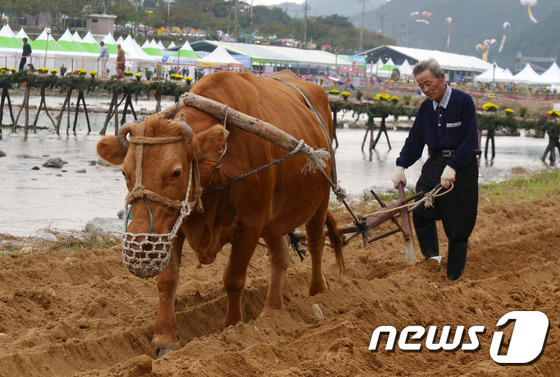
pixel 447 177
pixel 398 177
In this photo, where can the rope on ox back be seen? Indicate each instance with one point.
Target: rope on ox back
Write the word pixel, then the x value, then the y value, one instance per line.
pixel 272 134
pixel 147 254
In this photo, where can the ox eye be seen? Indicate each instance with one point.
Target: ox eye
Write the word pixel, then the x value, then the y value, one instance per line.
pixel 176 174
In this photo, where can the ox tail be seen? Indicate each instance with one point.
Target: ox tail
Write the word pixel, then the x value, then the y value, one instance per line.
pixel 336 240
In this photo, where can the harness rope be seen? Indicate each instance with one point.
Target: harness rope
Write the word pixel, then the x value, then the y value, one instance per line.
pixel 428 200
pixel 147 254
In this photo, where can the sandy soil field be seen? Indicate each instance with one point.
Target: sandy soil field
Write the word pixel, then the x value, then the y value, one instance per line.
pixel 81 313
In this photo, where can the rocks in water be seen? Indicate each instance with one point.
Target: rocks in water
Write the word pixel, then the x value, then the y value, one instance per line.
pixel 2 154
pixel 81 171
pixel 105 226
pixel 44 235
pixel 35 168
pixel 55 162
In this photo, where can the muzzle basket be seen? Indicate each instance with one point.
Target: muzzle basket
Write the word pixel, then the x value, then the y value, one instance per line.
pixel 146 255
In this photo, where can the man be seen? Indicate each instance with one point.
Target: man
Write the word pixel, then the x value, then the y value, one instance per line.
pixel 104 56
pixel 120 61
pixel 446 123
pixel 25 56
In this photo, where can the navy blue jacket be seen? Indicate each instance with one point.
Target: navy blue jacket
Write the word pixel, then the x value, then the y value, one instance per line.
pixel 458 131
pixel 26 49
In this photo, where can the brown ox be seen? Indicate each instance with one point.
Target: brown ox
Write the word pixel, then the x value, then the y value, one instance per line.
pixel 267 204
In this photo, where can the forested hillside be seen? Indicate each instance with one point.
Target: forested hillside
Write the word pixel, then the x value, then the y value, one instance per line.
pixel 473 21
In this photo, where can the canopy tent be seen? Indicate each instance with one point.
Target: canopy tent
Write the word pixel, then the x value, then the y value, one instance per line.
pixel 135 52
pixel 69 44
pixel 91 44
pixel 171 45
pixel 187 51
pixel 76 37
pixel 405 68
pixel 386 69
pixel 219 57
pixel 46 43
pixel 8 39
pixel 22 34
pixel 527 76
pixel 497 74
pixel 152 49
pixel 111 44
pixel 552 75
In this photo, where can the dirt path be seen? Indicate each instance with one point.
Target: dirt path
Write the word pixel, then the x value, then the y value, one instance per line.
pixel 81 313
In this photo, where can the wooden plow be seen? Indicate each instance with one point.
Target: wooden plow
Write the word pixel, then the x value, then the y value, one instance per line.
pixel 399 210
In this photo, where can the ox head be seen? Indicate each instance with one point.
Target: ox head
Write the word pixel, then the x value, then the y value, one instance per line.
pixel 157 162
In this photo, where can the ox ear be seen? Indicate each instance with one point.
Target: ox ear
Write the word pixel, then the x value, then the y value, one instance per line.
pixel 209 141
pixel 109 149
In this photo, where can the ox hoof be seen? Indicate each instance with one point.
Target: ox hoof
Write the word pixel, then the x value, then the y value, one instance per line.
pixel 162 351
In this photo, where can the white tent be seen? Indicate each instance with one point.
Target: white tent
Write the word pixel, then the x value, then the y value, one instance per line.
pixel 7 32
pixel 135 52
pixel 386 69
pixel 219 57
pixel 527 76
pixel 76 37
pixel 405 68
pixel 498 74
pixel 109 40
pixel 551 76
pixel 22 34
pixel 171 45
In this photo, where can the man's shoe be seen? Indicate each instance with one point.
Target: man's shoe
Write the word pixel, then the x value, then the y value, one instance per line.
pixel 456 259
pixel 428 240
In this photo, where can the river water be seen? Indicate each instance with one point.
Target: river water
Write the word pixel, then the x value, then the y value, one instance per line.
pixel 67 198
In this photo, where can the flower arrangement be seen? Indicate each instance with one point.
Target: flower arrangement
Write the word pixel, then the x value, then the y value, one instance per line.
pixel 175 76
pixel 394 99
pixel 509 112
pixel 42 70
pixel 489 106
pixel 345 95
pixel 382 97
pixel 188 79
pixel 128 73
pixel 522 112
pixel 93 74
pixel 54 71
pixel 359 95
pixel 3 70
pixel 334 92
pixel 149 74
pixel 138 76
pixel 80 72
pixel 553 114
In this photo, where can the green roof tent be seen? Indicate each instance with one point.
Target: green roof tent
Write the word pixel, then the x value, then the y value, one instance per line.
pixel 9 41
pixel 186 51
pixel 67 41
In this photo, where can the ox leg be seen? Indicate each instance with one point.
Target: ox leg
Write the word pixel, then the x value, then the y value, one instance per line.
pixel 279 258
pixel 315 242
pixel 165 333
pixel 235 274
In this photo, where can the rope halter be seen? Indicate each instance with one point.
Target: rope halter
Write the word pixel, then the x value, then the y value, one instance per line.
pixel 147 254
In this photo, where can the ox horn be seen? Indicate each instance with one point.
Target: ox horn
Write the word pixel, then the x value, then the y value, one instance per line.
pixel 187 131
pixel 121 138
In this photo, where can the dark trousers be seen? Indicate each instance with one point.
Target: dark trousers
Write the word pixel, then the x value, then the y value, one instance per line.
pixel 22 63
pixel 457 209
